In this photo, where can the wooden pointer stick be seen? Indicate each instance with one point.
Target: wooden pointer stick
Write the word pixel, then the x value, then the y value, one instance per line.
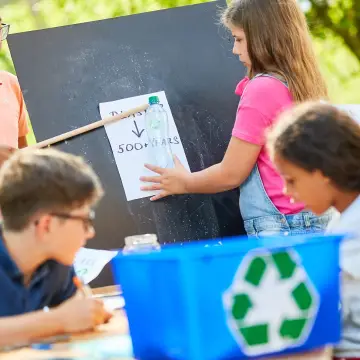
pixel 89 127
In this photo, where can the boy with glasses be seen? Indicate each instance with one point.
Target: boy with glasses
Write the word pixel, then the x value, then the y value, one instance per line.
pixel 46 202
pixel 13 121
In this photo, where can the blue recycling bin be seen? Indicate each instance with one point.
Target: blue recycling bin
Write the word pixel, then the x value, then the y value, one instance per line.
pixel 235 299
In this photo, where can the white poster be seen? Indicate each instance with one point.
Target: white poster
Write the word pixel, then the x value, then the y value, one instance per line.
pixel 130 143
pixel 353 110
pixel 89 263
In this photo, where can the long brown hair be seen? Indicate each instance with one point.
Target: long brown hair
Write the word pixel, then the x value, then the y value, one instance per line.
pixel 279 42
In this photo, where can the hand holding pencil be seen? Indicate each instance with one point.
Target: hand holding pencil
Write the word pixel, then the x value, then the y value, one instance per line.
pixel 82 314
pixel 83 289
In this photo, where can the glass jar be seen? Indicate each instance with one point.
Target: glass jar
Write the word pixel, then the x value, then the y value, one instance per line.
pixel 138 243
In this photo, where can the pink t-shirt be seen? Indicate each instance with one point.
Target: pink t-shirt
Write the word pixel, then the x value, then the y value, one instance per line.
pixel 262 99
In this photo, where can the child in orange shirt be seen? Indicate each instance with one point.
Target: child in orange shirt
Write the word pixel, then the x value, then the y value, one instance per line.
pixel 13 121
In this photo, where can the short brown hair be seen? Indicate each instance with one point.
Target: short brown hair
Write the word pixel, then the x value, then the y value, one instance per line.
pixel 279 41
pixel 318 136
pixel 43 181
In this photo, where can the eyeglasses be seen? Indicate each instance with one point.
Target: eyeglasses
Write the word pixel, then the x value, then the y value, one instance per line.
pixel 4 31
pixel 87 221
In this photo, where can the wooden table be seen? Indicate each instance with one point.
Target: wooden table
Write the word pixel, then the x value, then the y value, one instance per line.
pixel 117 326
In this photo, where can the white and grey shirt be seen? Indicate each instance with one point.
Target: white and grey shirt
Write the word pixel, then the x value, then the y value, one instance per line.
pixel 349 222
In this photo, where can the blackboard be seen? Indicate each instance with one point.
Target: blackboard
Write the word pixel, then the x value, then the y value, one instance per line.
pixel 66 72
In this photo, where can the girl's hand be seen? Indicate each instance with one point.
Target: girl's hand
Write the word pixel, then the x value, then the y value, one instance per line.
pixel 169 182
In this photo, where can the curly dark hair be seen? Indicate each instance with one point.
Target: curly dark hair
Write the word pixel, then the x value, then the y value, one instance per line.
pixel 319 136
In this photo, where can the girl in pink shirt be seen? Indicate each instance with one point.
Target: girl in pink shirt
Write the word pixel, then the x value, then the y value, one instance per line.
pixel 272 40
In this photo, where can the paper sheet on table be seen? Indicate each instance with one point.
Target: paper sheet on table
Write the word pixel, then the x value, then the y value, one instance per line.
pixel 112 303
pixel 111 347
pixel 90 262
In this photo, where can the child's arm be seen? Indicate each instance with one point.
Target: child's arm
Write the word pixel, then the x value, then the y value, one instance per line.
pixel 23 118
pixel 23 329
pixel 254 116
pixel 75 315
pixel 236 166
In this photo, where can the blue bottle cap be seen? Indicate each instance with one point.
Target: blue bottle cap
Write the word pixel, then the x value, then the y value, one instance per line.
pixel 41 346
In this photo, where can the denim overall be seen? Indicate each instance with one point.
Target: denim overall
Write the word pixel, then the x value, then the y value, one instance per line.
pixel 260 215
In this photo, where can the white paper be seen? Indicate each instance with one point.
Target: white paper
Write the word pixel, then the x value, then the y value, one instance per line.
pixel 113 303
pixel 89 263
pixel 130 145
pixel 353 110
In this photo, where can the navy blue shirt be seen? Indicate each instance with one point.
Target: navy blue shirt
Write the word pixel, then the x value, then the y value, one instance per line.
pixel 50 285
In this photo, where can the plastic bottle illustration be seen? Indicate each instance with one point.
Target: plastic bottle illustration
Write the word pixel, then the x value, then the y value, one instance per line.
pixel 157 128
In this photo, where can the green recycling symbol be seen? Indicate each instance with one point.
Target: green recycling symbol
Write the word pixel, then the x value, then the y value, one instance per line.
pixel 271 304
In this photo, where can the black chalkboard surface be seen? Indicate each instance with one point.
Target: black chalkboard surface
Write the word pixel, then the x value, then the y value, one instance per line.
pixel 66 72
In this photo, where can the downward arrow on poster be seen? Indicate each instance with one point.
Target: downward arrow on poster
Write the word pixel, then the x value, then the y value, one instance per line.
pixel 137 133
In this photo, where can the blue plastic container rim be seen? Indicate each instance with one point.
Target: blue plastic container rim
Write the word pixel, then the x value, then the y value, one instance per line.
pixel 230 246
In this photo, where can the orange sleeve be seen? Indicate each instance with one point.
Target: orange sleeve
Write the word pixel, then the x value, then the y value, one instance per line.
pixel 23 123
